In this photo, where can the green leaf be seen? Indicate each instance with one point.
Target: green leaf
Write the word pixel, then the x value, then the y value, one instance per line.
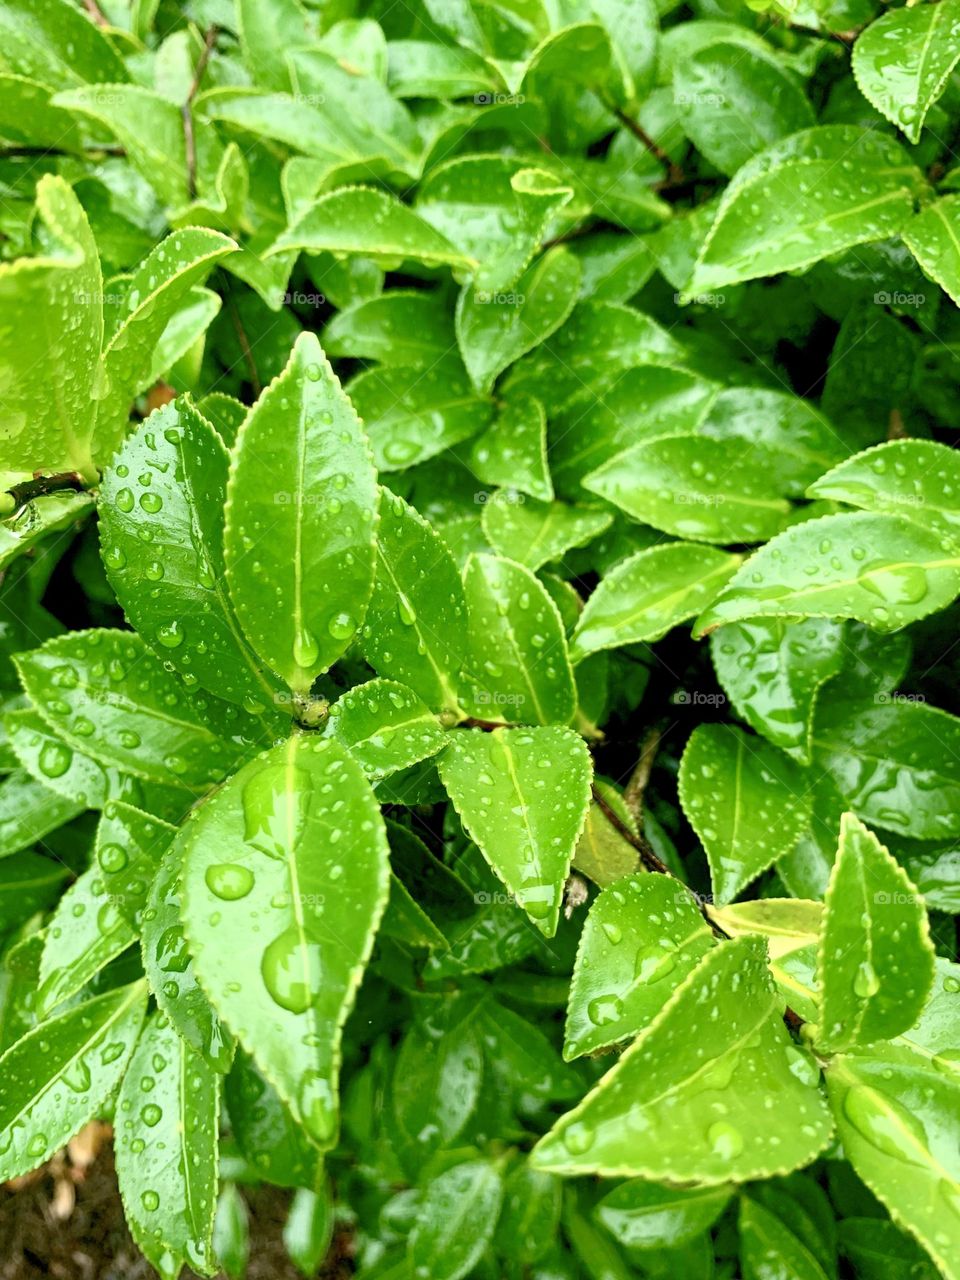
pixel 427 69
pixel 933 237
pixel 746 801
pixel 879 1250
pixel 530 1215
pixel 272 846
pixel 912 478
pixel 883 570
pixel 893 762
pixel 602 853
pixel 455 1221
pixel 309 1228
pixel 56 44
pixel 902 61
pixel 29 811
pixel 268 33
pixel 644 1215
pixel 361 220
pixel 534 533
pixel 806 197
pixel 641 938
pixel 301 509
pixel 36 520
pixel 167 1150
pixel 513 451
pixel 267 1133
pixel 522 795
pixel 414 626
pixel 495 329
pixel 402 327
pixel 663 1087
pixel 772 670
pixel 51 330
pixel 710 490
pixel 875 963
pixel 186 615
pixel 385 727
pixel 412 415
pixel 107 696
pixel 59 1075
pixel 648 594
pixel 518 667
pixel 171 971
pixel 897 1119
pixel 788 924
pixel 768 1246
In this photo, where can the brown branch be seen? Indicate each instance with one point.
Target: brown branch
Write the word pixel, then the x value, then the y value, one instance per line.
pixel 637 785
pixel 26 490
pixel 640 843
pixel 640 133
pixel 245 350
pixel 186 113
pixel 96 13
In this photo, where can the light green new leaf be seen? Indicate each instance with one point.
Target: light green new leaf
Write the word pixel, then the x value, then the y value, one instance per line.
pixel 875 962
pixel 806 197
pixel 649 593
pixel 169 482
pixel 669 1111
pixel 494 210
pixel 301 511
pixel 517 667
pixel 769 1246
pixel 171 971
pixel 107 696
pixel 153 295
pixel 167 1128
pixel 772 669
pixel 641 938
pixel 644 1215
pixel 414 629
pixel 746 801
pixel 495 329
pixel 29 810
pixel 59 1075
pixel 513 452
pixel 897 1119
pixel 411 414
pixel 402 327
pixel 290 852
pixel 267 35
pixel 933 237
pixel 51 331
pixel 534 533
pixel 884 570
pixel 693 487
pixel 919 479
pixel 427 69
pixel 522 796
pixel 788 924
pixel 895 763
pixel 373 224
pixel 385 726
pixel 455 1220
pixel 902 61
pixel 36 520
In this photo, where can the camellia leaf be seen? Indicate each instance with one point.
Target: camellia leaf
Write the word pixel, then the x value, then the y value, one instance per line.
pixel 385 726
pixel 267 1133
pixel 27 884
pixel 822 204
pixel 272 846
pixel 494 330
pixel 107 696
pixel 602 852
pixel 883 570
pixel 513 451
pixel 186 614
pixel 932 236
pixel 300 520
pixel 414 627
pixel 517 665
pixel 897 1119
pixel 29 810
pixel 641 1122
pixel 35 520
pixel 772 669
pixel 522 795
pixel 649 593
pixel 456 1219
pixel 641 938
pixel 534 533
pixel 902 61
pixel 52 429
pixel 875 963
pixel 644 1215
pixel 767 1241
pixel 893 763
pixel 403 327
pixel 57 1077
pixel 56 44
pixel 746 801
pixel 788 924
pixel 711 490
pixel 167 1150
pixel 915 478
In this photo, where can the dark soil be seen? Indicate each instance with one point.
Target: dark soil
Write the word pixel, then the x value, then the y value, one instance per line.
pixel 42 1236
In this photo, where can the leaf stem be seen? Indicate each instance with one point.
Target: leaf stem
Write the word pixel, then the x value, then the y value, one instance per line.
pixel 637 784
pixel 26 490
pixel 209 41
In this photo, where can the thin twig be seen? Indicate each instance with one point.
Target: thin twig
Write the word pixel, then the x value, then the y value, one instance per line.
pixel 640 133
pixel 244 342
pixel 637 785
pixel 186 112
pixel 96 13
pixel 40 485
pixel 638 842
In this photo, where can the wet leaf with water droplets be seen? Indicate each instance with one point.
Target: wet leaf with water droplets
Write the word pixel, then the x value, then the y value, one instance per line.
pixel 875 963
pixel 281 963
pixel 456 1219
pixel 167 1139
pixel 385 726
pixel 644 1215
pixel 533 533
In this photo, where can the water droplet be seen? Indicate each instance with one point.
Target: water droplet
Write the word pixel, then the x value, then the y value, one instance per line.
pixel 866 983
pixel 150 1201
pixel 894 583
pixel 291 970
pixel 125 499
pixel 112 858
pixel 342 626
pixel 305 648
pixel 725 1141
pixel 276 802
pixel 229 881
pixel 170 635
pixel 151 1115
pixel 150 502
pixel 55 759
pixel 604 1010
pixel 578 1138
